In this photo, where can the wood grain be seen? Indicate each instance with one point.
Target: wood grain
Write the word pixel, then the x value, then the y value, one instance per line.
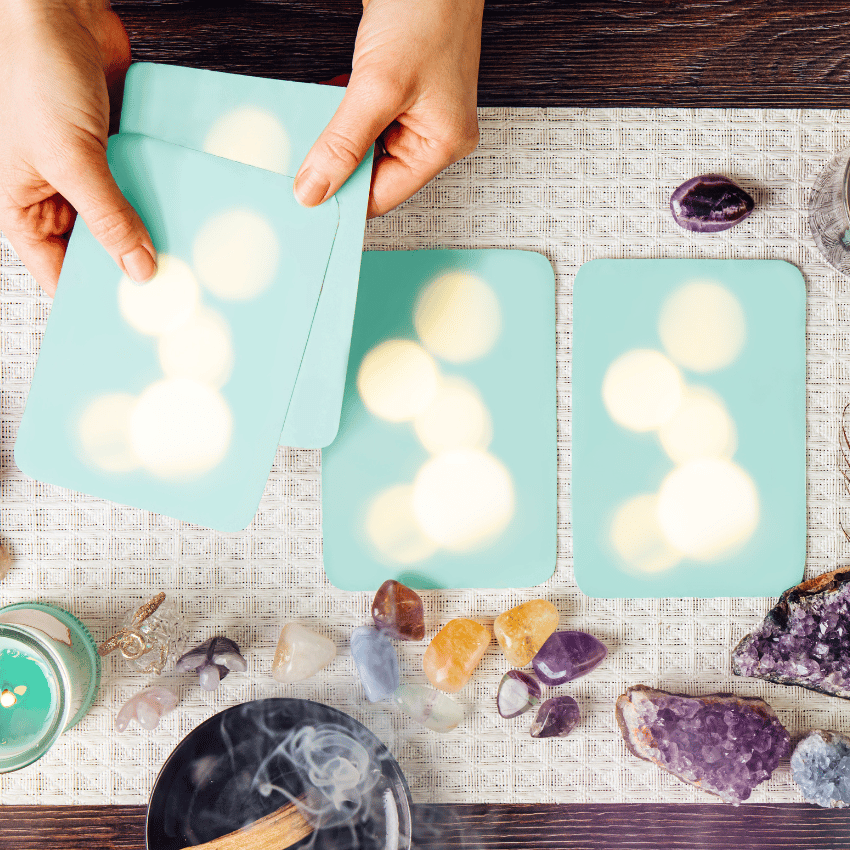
pixel 542 52
pixel 502 827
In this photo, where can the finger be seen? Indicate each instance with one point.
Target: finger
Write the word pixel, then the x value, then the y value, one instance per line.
pixel 410 162
pixel 43 258
pixel 89 186
pixel 366 110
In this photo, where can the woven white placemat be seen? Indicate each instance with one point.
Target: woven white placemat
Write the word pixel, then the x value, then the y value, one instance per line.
pixel 574 185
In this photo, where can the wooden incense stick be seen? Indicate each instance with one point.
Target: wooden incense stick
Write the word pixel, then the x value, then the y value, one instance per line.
pixel 277 831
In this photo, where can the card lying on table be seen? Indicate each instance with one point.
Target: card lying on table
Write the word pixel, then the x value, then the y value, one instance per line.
pixel 444 472
pixel 269 124
pixel 689 428
pixel 170 395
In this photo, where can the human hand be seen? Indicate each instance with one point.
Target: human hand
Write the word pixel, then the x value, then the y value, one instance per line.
pixel 414 83
pixel 61 64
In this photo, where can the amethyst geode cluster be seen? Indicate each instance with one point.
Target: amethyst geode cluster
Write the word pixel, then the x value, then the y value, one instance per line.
pixel 805 639
pixel 721 743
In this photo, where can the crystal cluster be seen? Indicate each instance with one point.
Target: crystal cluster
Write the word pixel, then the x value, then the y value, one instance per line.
pixel 146 708
pixel 300 654
pixel 522 630
pixel 556 718
pixel 398 611
pixel 376 662
pixel 710 203
pixel 820 765
pixel 566 656
pixel 805 639
pixel 721 743
pixel 454 653
pixel 212 661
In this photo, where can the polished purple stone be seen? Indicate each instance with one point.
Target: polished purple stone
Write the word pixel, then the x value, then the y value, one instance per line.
pixel 804 640
pixel 556 718
pixel 566 656
pixel 518 692
pixel 721 743
pixel 710 203
pixel 212 661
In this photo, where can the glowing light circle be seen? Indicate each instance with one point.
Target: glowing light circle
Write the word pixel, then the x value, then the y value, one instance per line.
pixel 392 528
pixel 642 390
pixel 456 418
pixel 104 432
pixel 165 302
pixel 201 349
pixel 397 380
pixel 252 136
pixel 702 326
pixel 458 317
pixel 701 427
pixel 463 499
pixel 180 428
pixel 236 254
pixel 708 508
pixel 638 539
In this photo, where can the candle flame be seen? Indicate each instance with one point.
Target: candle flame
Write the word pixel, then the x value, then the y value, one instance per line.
pixel 7 699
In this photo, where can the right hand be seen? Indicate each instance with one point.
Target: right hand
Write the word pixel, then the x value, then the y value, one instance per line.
pixel 61 64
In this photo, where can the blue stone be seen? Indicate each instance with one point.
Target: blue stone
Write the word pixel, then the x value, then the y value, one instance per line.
pixel 376 662
pixel 820 765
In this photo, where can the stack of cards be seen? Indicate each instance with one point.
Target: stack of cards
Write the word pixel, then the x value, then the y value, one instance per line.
pixel 173 396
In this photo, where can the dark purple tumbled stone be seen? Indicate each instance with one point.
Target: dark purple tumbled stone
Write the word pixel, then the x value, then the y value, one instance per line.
pixel 805 639
pixel 212 661
pixel 518 692
pixel 721 743
pixel 710 203
pixel 566 656
pixel 556 718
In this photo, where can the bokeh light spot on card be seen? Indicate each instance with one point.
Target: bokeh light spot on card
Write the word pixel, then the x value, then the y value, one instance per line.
pixel 397 380
pixel 458 317
pixel 252 136
pixel 104 432
pixel 180 428
pixel 236 254
pixel 165 302
pixel 463 499
pixel 638 539
pixel 201 349
pixel 642 389
pixel 702 326
pixel 392 528
pixel 456 418
pixel 701 427
pixel 708 508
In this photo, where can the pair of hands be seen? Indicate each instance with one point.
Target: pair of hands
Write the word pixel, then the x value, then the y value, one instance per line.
pixel 62 67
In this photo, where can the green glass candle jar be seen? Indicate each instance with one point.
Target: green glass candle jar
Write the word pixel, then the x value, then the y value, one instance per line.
pixel 49 676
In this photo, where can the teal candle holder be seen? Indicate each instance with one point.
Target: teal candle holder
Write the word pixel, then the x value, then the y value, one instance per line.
pixel 49 677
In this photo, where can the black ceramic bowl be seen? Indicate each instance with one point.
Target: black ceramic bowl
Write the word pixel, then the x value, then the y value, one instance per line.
pixel 249 760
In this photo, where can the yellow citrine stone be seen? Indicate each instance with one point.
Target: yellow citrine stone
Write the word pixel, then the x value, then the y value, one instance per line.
pixel 521 631
pixel 454 653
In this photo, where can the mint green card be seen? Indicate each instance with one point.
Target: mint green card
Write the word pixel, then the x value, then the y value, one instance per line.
pixel 444 471
pixel 688 428
pixel 269 124
pixel 169 396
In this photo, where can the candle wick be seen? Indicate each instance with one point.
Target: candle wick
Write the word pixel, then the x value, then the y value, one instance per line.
pixel 7 699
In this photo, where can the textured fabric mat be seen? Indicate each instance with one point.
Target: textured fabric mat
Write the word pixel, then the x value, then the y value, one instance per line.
pixel 575 185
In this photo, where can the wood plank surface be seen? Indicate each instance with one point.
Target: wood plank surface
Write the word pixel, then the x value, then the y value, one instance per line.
pixel 542 52
pixel 502 827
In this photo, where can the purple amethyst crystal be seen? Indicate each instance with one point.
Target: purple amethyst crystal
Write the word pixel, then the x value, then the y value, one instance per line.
pixel 721 743
pixel 212 661
pixel 710 203
pixel 805 639
pixel 518 692
pixel 556 718
pixel 566 656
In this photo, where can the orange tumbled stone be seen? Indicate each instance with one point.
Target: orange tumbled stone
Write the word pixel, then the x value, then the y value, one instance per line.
pixel 521 631
pixel 454 653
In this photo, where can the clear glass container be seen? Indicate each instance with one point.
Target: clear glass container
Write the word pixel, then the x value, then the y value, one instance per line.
pixel 829 212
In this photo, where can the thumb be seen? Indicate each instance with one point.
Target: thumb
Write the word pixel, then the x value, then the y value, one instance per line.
pixel 88 185
pixel 366 111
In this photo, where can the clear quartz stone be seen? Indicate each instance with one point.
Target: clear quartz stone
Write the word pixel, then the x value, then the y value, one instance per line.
pixel 430 707
pixel 301 653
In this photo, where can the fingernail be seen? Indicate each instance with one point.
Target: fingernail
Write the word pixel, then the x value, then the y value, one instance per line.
pixel 311 188
pixel 139 264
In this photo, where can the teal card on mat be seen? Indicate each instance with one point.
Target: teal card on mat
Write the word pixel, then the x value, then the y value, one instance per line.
pixel 269 124
pixel 688 428
pixel 170 395
pixel 444 471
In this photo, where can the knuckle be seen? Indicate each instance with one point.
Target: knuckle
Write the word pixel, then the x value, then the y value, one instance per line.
pixel 341 151
pixel 111 228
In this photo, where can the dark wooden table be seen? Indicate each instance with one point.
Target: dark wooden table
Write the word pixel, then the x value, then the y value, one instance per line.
pixel 782 53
